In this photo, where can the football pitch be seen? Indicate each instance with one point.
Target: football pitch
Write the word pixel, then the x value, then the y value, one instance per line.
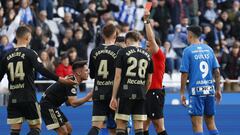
pixel 177 121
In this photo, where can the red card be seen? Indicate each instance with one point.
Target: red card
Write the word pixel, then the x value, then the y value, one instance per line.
pixel 148 6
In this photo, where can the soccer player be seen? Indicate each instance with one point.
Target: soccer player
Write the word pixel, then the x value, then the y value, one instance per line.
pixel 20 64
pixel 155 96
pixel 102 69
pixel 200 66
pixel 57 94
pixel 133 77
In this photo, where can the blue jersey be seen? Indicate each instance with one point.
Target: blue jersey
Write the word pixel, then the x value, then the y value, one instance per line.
pixel 199 62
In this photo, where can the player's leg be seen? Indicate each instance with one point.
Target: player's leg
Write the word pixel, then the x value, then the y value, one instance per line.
pixel 111 124
pixel 146 125
pixel 99 115
pixel 14 118
pixel 33 116
pixel 139 115
pixel 123 115
pixel 69 128
pixel 62 130
pixel 159 126
pixel 209 115
pixel 196 107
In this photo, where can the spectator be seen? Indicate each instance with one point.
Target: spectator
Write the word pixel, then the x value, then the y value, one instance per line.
pixel 65 43
pixel 231 68
pixel 3 28
pixel 226 24
pixel 218 32
pixel 91 9
pixel 236 27
pixel 183 25
pixel 28 16
pixel 64 68
pixel 36 42
pixel 5 46
pixel 127 13
pixel 72 55
pixel 209 15
pixel 170 57
pixel 46 5
pixel 194 12
pixel 234 10
pixel 161 17
pixel 67 23
pixel 42 22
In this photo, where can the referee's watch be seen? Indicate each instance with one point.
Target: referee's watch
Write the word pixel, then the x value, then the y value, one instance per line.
pixel 146 21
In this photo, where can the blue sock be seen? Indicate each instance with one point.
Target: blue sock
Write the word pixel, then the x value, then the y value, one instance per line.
pixel 198 133
pixel 213 132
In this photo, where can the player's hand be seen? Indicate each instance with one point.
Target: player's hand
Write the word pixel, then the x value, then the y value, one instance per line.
pixel 113 104
pixel 218 96
pixel 146 15
pixel 183 100
pixel 67 81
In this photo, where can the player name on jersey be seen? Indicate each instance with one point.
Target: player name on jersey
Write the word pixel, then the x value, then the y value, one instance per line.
pixel 15 54
pixel 104 83
pixel 138 50
pixel 111 53
pixel 204 82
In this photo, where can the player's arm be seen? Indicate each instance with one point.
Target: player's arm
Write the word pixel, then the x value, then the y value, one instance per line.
pixel 37 64
pixel 75 102
pixel 153 46
pixel 2 70
pixel 117 80
pixel 92 66
pixel 184 77
pixel 149 81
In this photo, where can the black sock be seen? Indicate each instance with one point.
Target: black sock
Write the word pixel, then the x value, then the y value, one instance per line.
pixel 139 132
pixel 93 131
pixel 34 131
pixel 163 133
pixel 120 132
pixel 146 132
pixel 15 131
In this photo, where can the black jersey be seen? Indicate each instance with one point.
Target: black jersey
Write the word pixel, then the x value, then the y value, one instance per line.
pixel 20 65
pixel 136 64
pixel 102 69
pixel 58 93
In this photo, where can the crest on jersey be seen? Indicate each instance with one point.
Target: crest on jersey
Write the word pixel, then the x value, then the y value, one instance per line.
pixel 73 91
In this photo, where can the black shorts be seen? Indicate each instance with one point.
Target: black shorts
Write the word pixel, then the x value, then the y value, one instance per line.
pixel 154 103
pixel 18 112
pixel 103 113
pixel 127 107
pixel 52 116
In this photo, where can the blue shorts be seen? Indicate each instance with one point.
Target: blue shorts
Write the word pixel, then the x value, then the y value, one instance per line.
pixel 201 105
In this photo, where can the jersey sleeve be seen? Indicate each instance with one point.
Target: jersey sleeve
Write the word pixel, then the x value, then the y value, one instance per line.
pixel 150 67
pixel 92 66
pixel 185 61
pixel 119 60
pixel 37 64
pixel 2 69
pixel 71 91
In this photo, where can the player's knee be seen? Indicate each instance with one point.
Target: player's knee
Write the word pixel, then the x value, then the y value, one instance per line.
pixel 34 131
pixel 93 131
pixel 15 131
pixel 69 128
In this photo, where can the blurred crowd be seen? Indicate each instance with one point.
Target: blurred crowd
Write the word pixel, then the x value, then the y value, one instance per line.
pixel 67 30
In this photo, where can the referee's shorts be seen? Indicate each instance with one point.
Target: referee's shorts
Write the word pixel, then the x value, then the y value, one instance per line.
pixel 155 99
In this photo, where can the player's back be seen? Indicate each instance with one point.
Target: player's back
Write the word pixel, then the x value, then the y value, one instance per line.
pixel 136 64
pixel 202 62
pixel 102 69
pixel 18 64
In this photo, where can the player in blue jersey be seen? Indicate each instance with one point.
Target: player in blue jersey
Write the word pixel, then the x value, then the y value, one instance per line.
pixel 200 66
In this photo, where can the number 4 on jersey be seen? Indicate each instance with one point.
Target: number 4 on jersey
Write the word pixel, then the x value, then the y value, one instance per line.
pixel 102 69
pixel 18 72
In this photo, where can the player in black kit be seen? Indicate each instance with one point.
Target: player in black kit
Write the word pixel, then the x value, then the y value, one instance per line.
pixel 57 94
pixel 20 64
pixel 133 76
pixel 102 69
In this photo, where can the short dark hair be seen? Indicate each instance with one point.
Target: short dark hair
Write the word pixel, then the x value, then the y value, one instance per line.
pixel 133 35
pixel 79 64
pixel 108 30
pixel 196 30
pixel 22 31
